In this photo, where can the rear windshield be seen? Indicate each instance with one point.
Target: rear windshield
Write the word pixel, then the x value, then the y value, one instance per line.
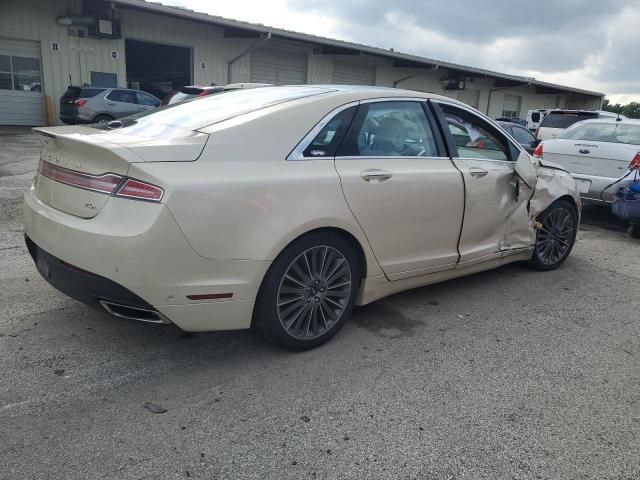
pixel 82 92
pixel 217 108
pixel 628 134
pixel 565 120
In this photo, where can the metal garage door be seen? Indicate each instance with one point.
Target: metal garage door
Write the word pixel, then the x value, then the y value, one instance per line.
pixel 21 100
pixel 353 74
pixel 278 67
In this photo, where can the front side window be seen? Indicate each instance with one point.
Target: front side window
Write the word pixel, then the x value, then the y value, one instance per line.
pixel 473 137
pixel 390 129
pixel 124 96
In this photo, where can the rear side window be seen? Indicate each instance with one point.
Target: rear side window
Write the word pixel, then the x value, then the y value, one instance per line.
pixel 327 141
pixel 124 96
pixel 564 120
pixel 390 129
pixel 146 99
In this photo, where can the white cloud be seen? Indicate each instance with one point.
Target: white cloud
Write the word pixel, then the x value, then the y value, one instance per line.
pixel 590 44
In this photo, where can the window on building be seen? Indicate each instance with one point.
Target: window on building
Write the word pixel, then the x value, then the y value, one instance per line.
pixel 511 106
pixel 20 73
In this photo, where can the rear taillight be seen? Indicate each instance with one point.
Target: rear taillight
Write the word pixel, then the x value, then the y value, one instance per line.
pixel 109 183
pixel 80 102
pixel 105 183
pixel 538 151
pixel 138 190
pixel 635 163
pixel 203 93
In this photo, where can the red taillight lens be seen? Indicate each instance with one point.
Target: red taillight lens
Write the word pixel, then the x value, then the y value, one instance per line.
pixel 635 163
pixel 203 93
pixel 80 102
pixel 138 190
pixel 105 183
pixel 538 151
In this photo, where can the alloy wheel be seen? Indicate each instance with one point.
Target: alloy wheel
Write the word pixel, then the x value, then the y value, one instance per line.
pixel 314 292
pixel 556 236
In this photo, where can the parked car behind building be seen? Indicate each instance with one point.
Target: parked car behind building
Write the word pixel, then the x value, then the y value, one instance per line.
pixel 101 105
pixel 597 153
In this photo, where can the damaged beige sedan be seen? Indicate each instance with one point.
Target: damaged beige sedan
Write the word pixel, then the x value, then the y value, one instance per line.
pixel 283 207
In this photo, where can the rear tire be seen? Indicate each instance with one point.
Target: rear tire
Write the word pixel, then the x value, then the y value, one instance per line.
pixel 634 231
pixel 555 240
pixel 309 292
pixel 102 119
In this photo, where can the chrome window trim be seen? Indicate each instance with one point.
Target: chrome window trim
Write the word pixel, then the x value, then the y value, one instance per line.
pixel 383 157
pixel 298 152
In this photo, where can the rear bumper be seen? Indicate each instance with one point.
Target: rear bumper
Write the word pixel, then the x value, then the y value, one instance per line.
pixel 91 289
pixel 599 184
pixel 134 254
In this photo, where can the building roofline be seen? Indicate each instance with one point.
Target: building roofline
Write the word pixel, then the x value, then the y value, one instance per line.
pixel 186 13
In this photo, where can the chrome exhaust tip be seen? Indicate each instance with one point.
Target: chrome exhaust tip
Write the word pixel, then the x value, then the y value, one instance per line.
pixel 133 313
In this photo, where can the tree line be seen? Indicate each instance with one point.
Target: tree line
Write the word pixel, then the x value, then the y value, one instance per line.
pixel 630 110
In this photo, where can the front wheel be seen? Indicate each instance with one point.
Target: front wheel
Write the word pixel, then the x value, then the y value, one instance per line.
pixel 558 227
pixel 308 292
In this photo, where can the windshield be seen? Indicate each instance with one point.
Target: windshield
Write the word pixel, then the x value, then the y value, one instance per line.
pixel 215 108
pixel 604 132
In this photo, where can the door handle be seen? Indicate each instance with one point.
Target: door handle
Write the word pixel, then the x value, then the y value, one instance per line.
pixel 375 175
pixel 478 172
pixel 584 151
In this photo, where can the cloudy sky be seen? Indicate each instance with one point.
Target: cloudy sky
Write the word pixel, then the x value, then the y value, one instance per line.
pixel 591 44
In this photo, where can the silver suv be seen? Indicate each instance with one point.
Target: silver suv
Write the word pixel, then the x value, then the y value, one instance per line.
pixel 101 105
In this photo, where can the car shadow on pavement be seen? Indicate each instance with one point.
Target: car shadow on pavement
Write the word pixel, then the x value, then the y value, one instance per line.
pixel 601 216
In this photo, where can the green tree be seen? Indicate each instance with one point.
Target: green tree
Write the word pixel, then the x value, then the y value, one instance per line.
pixel 630 110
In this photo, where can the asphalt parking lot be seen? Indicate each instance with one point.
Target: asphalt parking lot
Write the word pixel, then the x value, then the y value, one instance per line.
pixel 507 374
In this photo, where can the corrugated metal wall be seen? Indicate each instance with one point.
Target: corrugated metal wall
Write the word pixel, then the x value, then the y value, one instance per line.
pixel 77 57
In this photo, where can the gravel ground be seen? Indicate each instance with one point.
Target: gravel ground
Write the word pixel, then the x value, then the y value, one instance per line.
pixel 507 374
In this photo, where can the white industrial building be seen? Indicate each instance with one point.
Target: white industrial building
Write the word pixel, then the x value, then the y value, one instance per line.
pixel 47 45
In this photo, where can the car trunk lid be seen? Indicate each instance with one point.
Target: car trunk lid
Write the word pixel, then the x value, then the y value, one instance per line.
pixel 80 166
pixel 600 159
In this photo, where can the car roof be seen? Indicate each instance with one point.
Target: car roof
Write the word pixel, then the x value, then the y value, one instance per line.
pixel 503 122
pixel 364 92
pixel 606 120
